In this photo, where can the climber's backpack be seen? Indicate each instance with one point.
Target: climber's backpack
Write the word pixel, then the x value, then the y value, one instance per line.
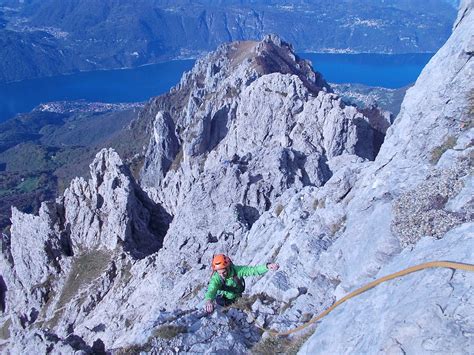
pixel 239 289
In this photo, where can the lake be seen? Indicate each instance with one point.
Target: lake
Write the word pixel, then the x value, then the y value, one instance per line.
pixel 121 85
pixel 385 70
pixel 139 84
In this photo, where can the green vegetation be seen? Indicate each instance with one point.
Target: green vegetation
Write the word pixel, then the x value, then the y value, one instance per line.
pixel 164 332
pixel 471 104
pixel 231 92
pixel 136 165
pixel 133 349
pixel 26 157
pixel 436 153
pixel 4 192
pixel 280 345
pixel 319 204
pixel 126 275
pixel 28 184
pixel 40 153
pixel 5 329
pixel 336 227
pixel 33 173
pixel 277 250
pixel 178 159
pixel 271 345
pixel 169 331
pixel 25 191
pixel 194 292
pixel 245 302
pixel 84 270
pixel 468 123
pixel 278 209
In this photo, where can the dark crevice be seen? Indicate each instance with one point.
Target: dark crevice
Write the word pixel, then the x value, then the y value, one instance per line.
pixel 247 215
pixel 184 244
pixel 3 294
pixel 345 195
pixel 211 238
pixel 219 128
pixel 149 223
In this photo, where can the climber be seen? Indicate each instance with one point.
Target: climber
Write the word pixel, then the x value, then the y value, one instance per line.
pixel 227 280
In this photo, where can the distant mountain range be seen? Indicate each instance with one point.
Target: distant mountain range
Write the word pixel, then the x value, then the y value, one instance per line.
pixel 49 37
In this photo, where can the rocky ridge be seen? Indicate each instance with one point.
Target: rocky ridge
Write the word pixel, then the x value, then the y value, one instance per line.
pixel 260 160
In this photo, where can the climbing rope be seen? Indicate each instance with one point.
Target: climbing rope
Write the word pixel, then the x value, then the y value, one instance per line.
pixel 428 265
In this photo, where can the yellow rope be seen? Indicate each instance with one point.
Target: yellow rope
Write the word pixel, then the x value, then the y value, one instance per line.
pixel 428 265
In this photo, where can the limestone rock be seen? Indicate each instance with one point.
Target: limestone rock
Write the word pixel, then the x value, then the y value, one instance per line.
pixel 252 155
pixel 422 171
pixel 52 258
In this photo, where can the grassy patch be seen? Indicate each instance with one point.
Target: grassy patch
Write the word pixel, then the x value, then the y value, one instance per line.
pixel 285 307
pixel 231 92
pixel 336 227
pixel 24 191
pixel 278 209
pixel 178 159
pixel 27 158
pixel 85 269
pixel 296 343
pixel 471 103
pixel 136 166
pixel 5 329
pixel 271 345
pixel 245 302
pixel 133 349
pixel 29 184
pixel 4 192
pixel 280 345
pixel 318 204
pixel 436 153
pixel 126 274
pixel 277 250
pixel 164 332
pixel 169 331
pixel 194 292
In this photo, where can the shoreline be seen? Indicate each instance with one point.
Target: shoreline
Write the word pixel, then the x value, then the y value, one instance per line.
pixel 176 59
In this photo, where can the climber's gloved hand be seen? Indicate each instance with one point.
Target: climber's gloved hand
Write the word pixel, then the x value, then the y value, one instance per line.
pixel 273 266
pixel 209 306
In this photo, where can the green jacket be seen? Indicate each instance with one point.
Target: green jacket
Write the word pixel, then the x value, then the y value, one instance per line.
pixel 232 289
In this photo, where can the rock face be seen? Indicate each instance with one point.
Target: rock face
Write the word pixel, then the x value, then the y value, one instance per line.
pixel 254 156
pixel 422 181
pixel 52 258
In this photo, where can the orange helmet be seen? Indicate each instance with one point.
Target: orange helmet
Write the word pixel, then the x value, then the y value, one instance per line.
pixel 220 261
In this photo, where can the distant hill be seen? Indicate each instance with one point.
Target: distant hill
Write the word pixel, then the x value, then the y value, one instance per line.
pixel 41 38
pixel 41 151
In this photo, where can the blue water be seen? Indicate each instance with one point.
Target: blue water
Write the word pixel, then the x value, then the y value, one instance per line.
pixel 390 71
pixel 139 84
pixel 124 85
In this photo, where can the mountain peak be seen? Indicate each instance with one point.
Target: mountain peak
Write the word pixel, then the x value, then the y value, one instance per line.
pixel 244 61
